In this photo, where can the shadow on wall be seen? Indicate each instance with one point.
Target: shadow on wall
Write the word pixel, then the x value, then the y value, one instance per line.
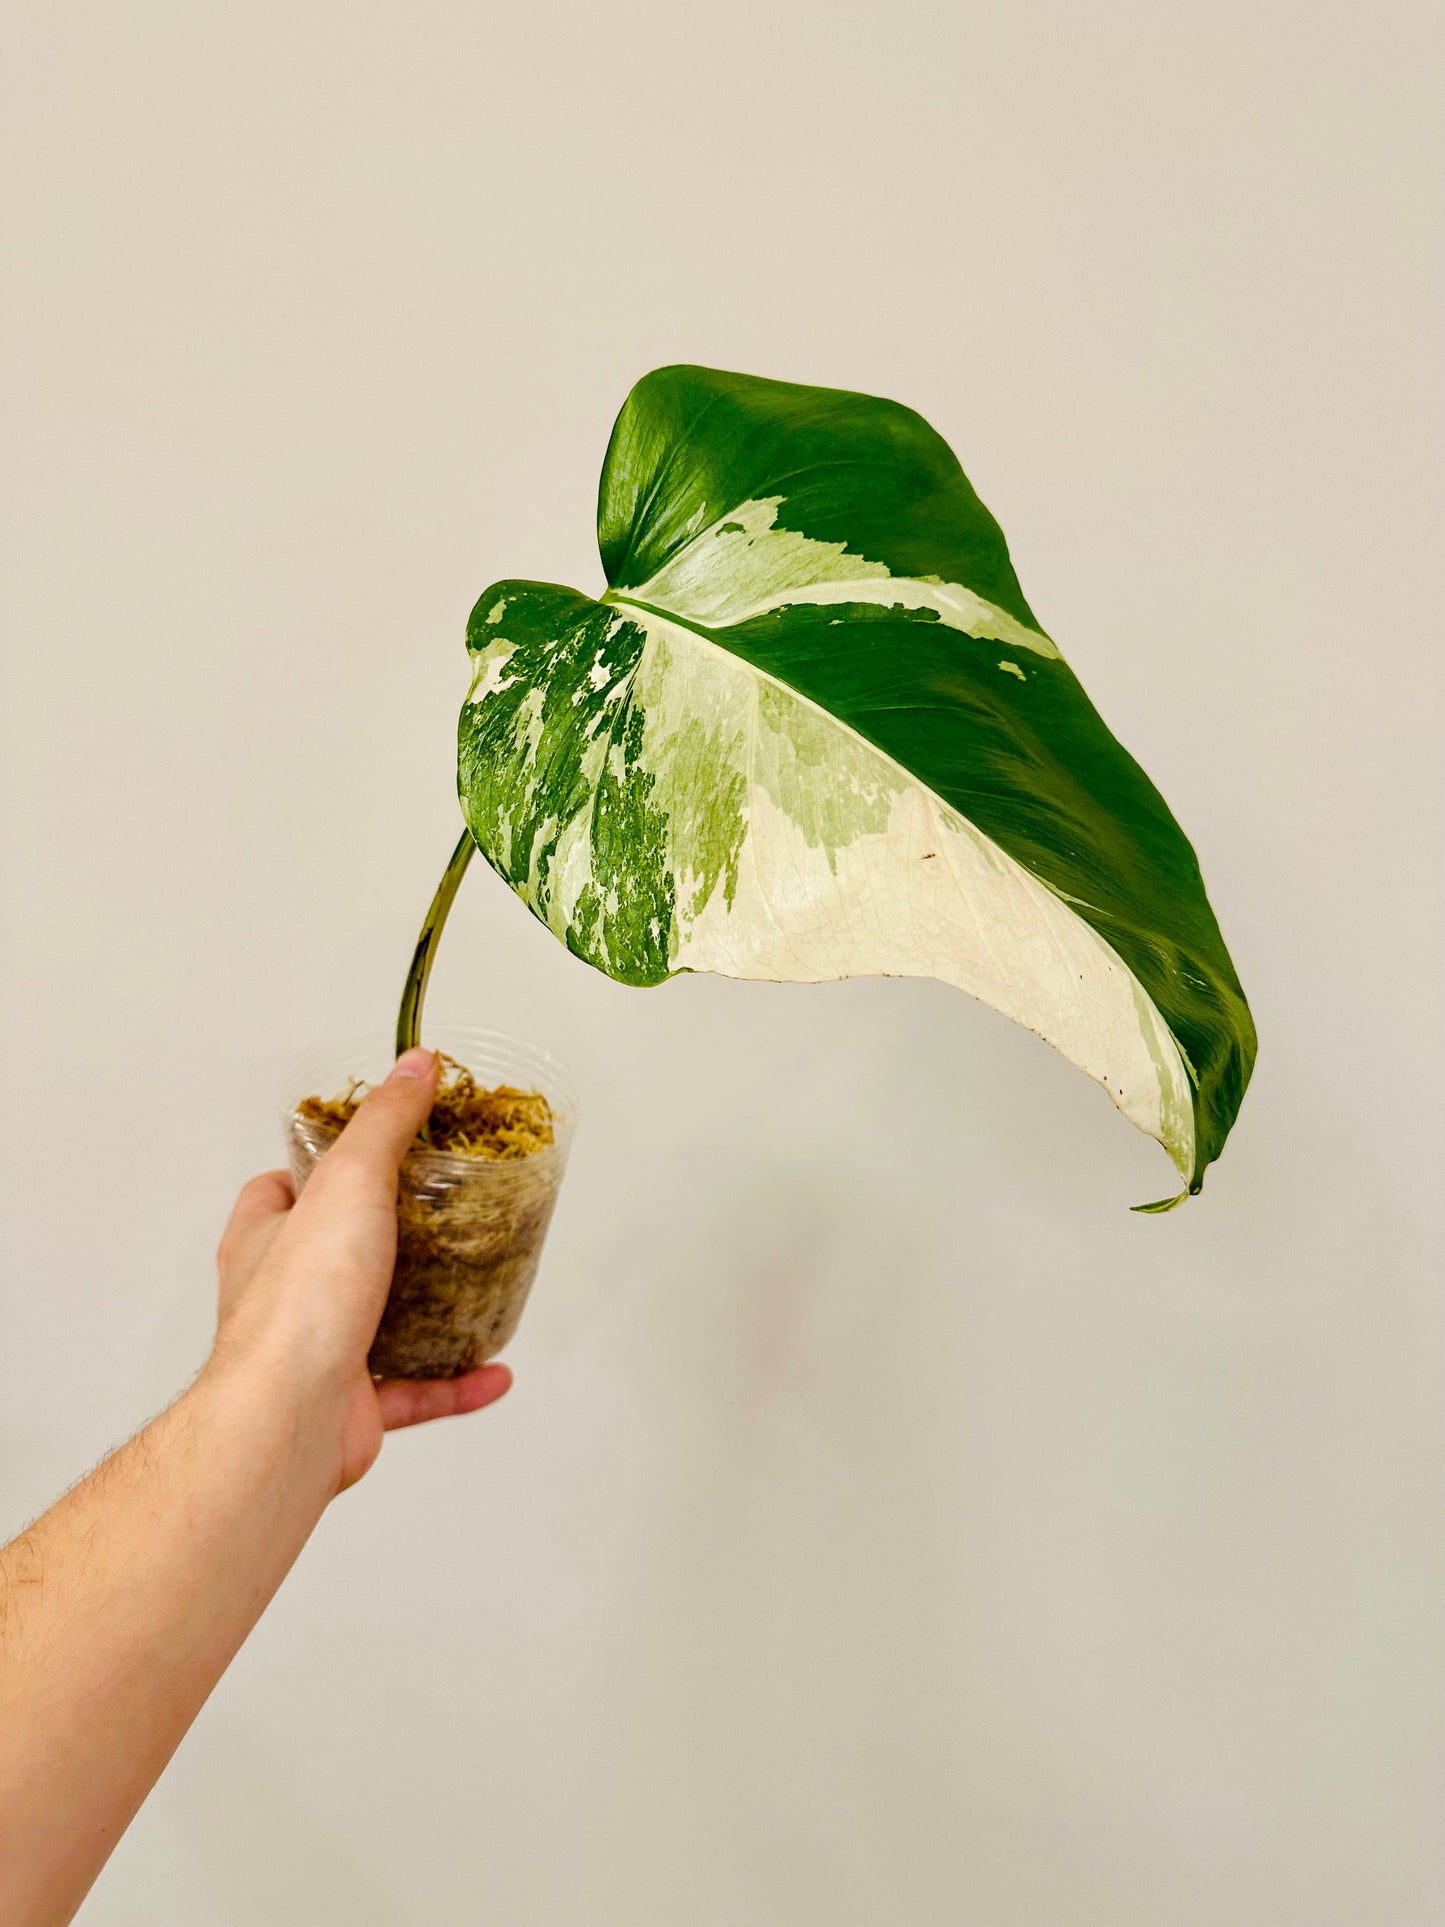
pixel 805 1534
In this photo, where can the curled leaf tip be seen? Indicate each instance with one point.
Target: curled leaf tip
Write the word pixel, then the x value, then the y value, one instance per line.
pixel 1160 1204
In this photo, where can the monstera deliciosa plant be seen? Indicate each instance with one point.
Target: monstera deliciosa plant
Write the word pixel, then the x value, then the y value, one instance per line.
pixel 811 729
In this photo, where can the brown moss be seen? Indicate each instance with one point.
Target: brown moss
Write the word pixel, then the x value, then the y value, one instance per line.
pixel 469 1234
pixel 465 1121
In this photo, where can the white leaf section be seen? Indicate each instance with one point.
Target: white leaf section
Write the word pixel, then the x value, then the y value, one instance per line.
pixel 743 565
pixel 489 666
pixel 849 866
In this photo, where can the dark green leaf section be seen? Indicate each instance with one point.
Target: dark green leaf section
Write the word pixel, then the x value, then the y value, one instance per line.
pixel 558 741
pixel 1021 752
pixel 691 444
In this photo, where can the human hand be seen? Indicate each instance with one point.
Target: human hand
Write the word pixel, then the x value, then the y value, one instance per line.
pixel 303 1282
pixel 156 1567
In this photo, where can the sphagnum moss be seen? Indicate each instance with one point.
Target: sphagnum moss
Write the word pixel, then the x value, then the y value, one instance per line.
pixel 467 1246
pixel 465 1120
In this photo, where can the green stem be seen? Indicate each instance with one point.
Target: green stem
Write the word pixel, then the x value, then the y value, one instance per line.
pixel 408 1018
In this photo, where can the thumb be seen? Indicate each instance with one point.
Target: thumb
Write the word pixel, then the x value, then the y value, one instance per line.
pixel 390 1116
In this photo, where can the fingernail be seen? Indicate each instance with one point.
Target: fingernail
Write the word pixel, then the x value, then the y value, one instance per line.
pixel 415 1062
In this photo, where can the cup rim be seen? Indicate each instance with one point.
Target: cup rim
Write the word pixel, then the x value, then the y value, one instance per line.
pixel 552 1079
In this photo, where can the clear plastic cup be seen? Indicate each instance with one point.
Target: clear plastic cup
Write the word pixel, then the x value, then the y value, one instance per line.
pixel 470 1230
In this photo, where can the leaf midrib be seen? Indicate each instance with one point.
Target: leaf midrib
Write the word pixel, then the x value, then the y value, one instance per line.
pixel 615 600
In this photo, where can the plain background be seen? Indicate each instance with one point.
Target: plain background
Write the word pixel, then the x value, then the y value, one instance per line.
pixel 886 1526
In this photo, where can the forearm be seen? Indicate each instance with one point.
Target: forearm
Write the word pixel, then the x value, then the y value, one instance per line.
pixel 122 1606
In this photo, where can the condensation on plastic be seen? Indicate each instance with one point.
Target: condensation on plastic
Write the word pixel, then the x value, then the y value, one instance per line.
pixel 469 1230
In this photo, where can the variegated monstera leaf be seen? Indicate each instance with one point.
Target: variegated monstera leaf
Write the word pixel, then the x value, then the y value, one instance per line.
pixel 813 730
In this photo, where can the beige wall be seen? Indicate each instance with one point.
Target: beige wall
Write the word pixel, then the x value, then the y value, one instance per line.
pixel 886 1527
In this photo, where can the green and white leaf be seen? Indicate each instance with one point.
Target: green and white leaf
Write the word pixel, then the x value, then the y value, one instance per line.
pixel 813 730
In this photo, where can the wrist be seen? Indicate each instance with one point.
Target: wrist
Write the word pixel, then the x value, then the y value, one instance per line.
pixel 277 1346
pixel 270 1406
